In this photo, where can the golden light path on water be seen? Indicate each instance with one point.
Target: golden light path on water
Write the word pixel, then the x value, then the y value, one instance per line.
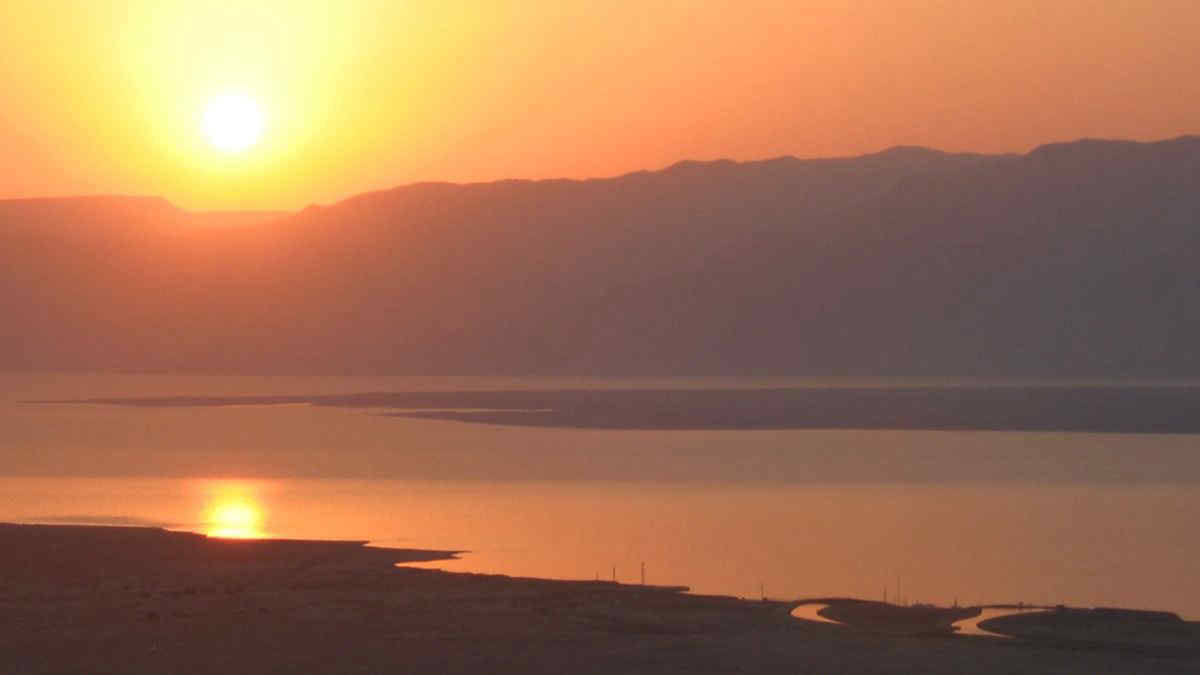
pixel 233 510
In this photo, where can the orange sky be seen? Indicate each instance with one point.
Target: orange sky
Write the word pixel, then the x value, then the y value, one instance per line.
pixel 108 97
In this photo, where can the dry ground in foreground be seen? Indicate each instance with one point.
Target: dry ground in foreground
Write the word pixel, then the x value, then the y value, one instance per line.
pixel 116 600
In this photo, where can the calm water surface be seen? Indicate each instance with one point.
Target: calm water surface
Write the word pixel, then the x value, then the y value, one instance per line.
pixel 984 517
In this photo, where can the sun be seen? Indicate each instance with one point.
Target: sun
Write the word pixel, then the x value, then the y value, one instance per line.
pixel 233 122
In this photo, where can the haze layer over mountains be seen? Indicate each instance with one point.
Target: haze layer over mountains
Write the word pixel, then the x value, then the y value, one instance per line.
pixel 1075 259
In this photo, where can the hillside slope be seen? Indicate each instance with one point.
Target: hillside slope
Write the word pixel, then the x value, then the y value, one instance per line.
pixel 1077 258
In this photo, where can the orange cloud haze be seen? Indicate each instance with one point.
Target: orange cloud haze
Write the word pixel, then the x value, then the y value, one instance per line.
pixel 108 97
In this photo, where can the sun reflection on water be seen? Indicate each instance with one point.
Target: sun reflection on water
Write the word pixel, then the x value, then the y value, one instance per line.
pixel 233 512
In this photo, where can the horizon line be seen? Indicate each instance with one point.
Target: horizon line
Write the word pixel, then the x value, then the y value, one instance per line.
pixel 565 179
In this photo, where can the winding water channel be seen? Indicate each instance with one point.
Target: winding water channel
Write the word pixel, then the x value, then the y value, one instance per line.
pixel 971 626
pixel 810 612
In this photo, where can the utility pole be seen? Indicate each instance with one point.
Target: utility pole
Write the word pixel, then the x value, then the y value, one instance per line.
pixel 643 573
pixel 614 574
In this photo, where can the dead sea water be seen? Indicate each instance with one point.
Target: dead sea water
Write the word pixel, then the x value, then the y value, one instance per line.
pixel 982 516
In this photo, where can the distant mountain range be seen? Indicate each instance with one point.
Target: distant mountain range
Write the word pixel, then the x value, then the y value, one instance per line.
pixel 1074 259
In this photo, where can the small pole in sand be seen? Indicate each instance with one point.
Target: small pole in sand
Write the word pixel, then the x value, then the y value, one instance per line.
pixel 614 574
pixel 762 591
pixel 643 574
pixel 885 595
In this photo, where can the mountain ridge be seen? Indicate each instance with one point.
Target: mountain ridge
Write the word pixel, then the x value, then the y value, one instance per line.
pixel 1073 259
pixel 894 150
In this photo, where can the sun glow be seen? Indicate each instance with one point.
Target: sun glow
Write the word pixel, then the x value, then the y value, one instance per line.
pixel 233 122
pixel 234 513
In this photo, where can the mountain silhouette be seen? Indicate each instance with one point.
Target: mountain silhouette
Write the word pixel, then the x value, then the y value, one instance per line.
pixel 1074 259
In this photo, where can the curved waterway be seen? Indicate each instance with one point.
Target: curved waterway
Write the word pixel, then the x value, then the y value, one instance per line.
pixel 809 612
pixel 971 626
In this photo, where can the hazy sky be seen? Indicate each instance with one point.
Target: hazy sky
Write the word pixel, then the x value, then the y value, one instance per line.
pixel 110 97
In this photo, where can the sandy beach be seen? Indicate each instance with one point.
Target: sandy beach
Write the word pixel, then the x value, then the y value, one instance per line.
pixel 139 600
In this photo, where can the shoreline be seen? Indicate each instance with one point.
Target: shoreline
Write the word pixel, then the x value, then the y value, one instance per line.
pixel 76 599
pixel 1113 409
